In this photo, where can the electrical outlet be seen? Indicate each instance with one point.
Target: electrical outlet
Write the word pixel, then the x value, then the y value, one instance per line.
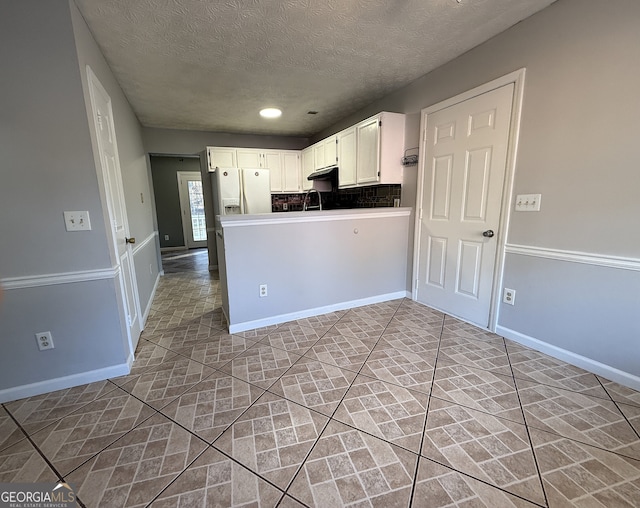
pixel 509 296
pixel 285 206
pixel 263 290
pixel 166 237
pixel 45 341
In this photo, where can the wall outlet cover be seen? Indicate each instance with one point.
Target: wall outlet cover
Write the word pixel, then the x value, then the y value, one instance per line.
pixel 77 221
pixel 45 341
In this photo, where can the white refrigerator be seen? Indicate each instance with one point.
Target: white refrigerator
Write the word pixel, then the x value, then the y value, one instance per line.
pixel 241 190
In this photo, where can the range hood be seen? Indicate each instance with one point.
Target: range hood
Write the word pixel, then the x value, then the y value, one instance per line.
pixel 324 174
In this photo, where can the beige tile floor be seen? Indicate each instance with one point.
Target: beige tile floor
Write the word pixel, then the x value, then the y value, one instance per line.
pixel 392 404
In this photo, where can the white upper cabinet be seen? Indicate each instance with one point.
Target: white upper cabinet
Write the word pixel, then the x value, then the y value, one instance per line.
pixel 221 157
pixel 272 160
pixel 347 157
pixel 291 171
pixel 325 153
pixel 368 149
pixel 307 168
pixel 330 151
pixel 318 155
pixel 284 169
pixel 379 149
pixel 250 158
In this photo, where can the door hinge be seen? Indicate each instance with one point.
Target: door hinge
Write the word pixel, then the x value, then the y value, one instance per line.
pixel 380 123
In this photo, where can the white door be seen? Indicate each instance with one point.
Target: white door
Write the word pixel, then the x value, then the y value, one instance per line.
pixel 463 177
pixel 121 244
pixel 192 209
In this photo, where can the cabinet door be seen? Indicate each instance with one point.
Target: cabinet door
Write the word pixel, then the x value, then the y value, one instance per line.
pixel 318 155
pixel 273 162
pixel 221 157
pixel 291 172
pixel 330 151
pixel 368 151
pixel 307 168
pixel 249 158
pixel 347 157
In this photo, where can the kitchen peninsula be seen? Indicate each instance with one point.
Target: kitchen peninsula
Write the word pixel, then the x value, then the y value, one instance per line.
pixel 280 267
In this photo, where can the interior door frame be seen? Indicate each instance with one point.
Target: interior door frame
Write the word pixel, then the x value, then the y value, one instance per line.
pixel 183 176
pixel 517 78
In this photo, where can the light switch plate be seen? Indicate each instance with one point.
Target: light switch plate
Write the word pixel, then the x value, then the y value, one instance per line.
pixel 77 221
pixel 528 202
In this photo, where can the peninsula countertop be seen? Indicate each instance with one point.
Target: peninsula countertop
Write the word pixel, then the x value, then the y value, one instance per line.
pixel 228 221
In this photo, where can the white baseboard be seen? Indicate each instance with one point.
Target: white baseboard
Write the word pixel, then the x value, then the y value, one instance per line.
pixel 61 383
pixel 283 318
pixel 606 371
pixel 145 315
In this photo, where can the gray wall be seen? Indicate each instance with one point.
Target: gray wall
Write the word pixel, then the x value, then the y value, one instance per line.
pixel 48 167
pixel 134 166
pixel 333 262
pixel 164 171
pixel 57 280
pixel 178 142
pixel 578 148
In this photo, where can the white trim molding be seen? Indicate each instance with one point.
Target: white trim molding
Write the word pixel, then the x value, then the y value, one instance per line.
pixel 145 315
pixel 53 279
pixel 283 318
pixel 586 258
pixel 61 383
pixel 611 373
pixel 139 246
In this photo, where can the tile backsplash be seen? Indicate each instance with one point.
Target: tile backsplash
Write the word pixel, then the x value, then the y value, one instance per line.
pixel 373 196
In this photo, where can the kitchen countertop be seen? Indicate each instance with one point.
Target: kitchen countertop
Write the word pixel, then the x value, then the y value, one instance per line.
pixel 227 221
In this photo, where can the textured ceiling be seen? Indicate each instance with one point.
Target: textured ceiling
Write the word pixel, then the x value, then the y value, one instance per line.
pixel 212 64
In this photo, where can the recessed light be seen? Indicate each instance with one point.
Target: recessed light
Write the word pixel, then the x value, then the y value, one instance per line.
pixel 270 113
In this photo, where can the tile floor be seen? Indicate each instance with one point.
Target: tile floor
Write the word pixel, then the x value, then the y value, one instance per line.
pixel 392 404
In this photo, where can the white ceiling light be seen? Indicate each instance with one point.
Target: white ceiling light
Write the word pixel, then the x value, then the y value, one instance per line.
pixel 270 113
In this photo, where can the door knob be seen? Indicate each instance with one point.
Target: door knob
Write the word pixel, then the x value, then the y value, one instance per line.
pixel 488 233
pixel 130 240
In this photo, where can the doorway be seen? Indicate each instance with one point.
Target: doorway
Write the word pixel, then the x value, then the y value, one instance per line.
pixel 467 153
pixel 194 226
